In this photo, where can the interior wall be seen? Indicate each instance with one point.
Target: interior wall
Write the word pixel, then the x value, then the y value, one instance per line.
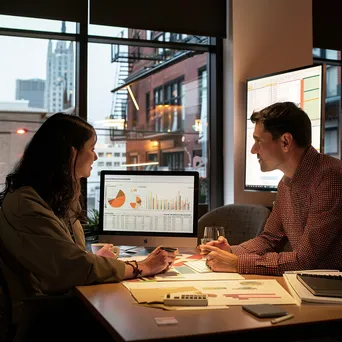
pixel 264 36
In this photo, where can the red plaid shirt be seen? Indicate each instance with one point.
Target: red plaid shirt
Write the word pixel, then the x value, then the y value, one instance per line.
pixel 307 213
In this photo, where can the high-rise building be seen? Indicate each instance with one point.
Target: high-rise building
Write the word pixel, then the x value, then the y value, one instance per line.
pixel 31 90
pixel 59 85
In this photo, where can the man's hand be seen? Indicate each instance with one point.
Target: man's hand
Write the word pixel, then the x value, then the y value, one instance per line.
pixel 219 260
pixel 220 243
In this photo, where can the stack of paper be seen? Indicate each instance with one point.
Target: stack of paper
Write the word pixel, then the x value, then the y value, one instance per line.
pixel 302 294
pixel 220 293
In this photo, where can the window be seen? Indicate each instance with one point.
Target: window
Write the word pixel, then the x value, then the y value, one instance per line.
pixel 333 114
pixel 202 87
pixel 331 141
pixel 29 91
pixel 147 108
pixel 150 120
pixel 167 106
pixel 157 116
pixel 332 74
pixel 158 96
pixel 152 157
pixel 24 23
pixel 173 160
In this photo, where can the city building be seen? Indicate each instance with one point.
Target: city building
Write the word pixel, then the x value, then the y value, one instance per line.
pixel 19 122
pixel 166 116
pixel 60 75
pixel 31 90
pixel 111 156
pixel 111 152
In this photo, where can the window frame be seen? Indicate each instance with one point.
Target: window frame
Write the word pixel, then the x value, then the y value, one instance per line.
pixel 320 57
pixel 215 89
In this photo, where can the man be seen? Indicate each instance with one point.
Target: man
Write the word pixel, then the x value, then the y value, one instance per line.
pixel 308 209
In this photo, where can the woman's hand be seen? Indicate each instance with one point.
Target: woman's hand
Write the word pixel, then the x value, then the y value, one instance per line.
pixel 158 261
pixel 107 251
pixel 220 243
pixel 219 260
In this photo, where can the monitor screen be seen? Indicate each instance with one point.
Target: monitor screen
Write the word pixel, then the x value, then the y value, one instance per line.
pixel 149 203
pixel 302 86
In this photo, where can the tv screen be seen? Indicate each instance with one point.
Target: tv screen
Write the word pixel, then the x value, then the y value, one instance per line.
pixel 302 86
pixel 149 203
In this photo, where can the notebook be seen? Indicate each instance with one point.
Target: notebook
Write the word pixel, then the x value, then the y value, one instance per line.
pixel 322 285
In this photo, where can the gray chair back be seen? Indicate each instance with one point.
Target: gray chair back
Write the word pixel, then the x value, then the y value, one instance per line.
pixel 241 222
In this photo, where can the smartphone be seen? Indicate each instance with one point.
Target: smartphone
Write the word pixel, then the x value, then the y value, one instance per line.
pixel 265 310
pixel 169 249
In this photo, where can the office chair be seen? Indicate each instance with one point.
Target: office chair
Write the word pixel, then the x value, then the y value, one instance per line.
pixel 23 311
pixel 41 317
pixel 241 222
pixel 7 326
pixel 10 283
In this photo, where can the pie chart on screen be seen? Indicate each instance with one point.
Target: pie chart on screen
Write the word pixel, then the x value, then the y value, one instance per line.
pixel 118 201
pixel 137 203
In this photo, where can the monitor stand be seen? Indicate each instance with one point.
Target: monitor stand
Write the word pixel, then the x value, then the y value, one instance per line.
pixel 149 241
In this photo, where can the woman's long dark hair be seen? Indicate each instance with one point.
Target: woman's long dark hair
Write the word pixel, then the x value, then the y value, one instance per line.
pixel 48 166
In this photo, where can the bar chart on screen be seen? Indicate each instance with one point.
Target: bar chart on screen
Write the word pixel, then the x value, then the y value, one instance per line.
pixel 143 198
pixel 148 207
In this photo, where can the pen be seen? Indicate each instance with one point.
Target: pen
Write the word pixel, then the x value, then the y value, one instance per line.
pixel 281 319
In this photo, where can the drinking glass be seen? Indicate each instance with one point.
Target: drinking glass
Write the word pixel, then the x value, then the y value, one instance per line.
pixel 211 233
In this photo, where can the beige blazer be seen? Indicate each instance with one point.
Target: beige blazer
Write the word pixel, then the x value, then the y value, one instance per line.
pixel 41 243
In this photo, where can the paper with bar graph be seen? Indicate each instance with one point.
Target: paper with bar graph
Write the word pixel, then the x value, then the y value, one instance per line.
pixel 181 271
pixel 232 292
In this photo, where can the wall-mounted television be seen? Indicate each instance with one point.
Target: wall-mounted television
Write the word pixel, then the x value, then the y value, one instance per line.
pixel 303 86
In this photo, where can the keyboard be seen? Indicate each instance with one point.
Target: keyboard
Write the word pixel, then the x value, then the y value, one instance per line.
pixel 199 266
pixel 322 284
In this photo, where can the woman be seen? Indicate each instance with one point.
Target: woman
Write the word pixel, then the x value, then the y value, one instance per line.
pixel 40 212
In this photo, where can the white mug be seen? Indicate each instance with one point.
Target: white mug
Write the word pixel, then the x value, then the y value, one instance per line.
pixel 97 246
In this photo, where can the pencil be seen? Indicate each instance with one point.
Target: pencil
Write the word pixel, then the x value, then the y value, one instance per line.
pixel 281 319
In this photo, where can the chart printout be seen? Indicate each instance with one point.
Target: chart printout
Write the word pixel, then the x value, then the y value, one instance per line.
pixel 146 203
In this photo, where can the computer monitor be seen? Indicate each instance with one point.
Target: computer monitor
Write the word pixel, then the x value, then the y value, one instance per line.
pixel 303 86
pixel 149 208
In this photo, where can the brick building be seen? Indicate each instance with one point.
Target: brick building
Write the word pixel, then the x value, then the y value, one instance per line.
pixel 166 117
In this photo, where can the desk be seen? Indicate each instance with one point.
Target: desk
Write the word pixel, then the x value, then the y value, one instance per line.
pixel 114 307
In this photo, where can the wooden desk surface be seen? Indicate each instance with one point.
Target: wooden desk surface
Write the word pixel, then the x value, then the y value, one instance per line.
pixel 125 320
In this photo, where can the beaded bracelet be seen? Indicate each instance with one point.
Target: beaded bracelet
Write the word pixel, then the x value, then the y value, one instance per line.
pixel 134 265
